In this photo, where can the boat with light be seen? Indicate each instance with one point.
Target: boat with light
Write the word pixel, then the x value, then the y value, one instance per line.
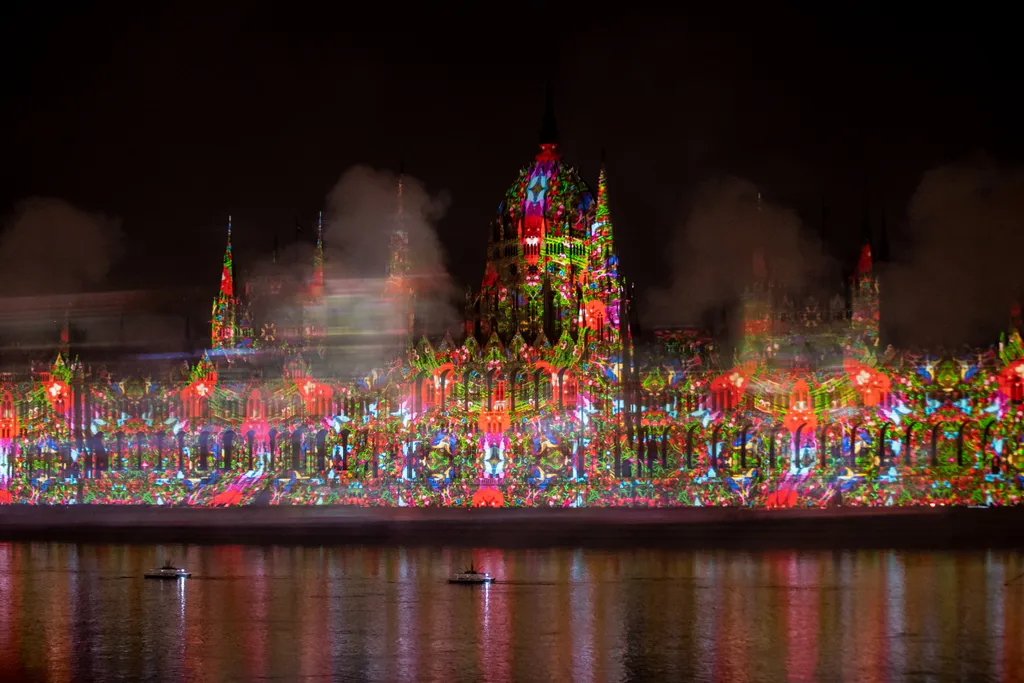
pixel 168 571
pixel 471 576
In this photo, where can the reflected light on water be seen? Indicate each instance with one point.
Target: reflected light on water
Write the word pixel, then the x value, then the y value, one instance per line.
pixel 71 613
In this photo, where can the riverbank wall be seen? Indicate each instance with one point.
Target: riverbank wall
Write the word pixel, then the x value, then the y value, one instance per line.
pixel 932 528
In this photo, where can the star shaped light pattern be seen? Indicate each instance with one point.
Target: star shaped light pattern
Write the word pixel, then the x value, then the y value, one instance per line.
pixel 535 193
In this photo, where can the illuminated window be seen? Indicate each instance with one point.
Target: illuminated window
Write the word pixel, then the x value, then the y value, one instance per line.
pixel 254 408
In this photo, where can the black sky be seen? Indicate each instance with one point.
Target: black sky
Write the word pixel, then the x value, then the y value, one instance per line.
pixel 174 115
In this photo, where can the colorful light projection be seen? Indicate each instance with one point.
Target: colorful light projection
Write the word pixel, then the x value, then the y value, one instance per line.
pixel 545 403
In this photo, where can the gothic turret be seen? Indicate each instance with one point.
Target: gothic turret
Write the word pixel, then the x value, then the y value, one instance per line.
pixel 864 290
pixel 225 305
pixel 316 289
pixel 315 316
pixel 603 283
pixel 398 287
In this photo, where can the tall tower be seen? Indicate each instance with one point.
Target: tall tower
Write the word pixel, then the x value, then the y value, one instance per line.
pixel 316 289
pixel 398 287
pixel 864 300
pixel 758 313
pixel 864 296
pixel 225 305
pixel 539 246
pixel 315 317
pixel 604 290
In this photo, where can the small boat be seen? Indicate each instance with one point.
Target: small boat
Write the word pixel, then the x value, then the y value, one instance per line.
pixel 168 571
pixel 471 576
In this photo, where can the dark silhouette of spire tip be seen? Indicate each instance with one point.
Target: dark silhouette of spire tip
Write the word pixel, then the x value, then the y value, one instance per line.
pixel 883 240
pixel 549 127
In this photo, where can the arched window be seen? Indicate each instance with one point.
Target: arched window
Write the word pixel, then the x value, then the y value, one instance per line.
pixel 724 395
pixel 801 395
pixel 254 407
pixel 1017 389
pixel 570 391
pixel 195 405
pixel 8 418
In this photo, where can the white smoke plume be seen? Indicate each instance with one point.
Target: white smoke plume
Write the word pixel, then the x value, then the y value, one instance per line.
pixel 49 246
pixel 711 256
pixel 363 211
pixel 276 288
pixel 962 269
pixel 366 326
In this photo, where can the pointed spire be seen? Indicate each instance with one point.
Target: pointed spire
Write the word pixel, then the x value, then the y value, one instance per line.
pixel 883 239
pixel 864 263
pixel 865 224
pixel 401 191
pixel 758 267
pixel 65 335
pixel 227 275
pixel 603 215
pixel 823 225
pixel 397 285
pixel 398 267
pixel 602 195
pixel 318 257
pixel 603 271
pixel 222 326
pixel 549 126
pixel 548 129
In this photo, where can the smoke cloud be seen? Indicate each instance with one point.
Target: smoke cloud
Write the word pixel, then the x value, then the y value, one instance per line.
pixel 277 286
pixel 711 257
pixel 363 211
pixel 962 270
pixel 366 321
pixel 50 246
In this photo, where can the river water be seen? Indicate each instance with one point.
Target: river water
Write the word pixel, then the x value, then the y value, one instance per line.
pixel 84 613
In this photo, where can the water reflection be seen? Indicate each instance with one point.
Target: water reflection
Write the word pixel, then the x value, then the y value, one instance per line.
pixel 72 613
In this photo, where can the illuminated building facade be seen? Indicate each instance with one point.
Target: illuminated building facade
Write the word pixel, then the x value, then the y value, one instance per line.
pixel 547 399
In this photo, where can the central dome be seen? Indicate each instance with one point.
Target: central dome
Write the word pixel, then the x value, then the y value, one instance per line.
pixel 544 219
pixel 547 252
pixel 539 248
pixel 548 194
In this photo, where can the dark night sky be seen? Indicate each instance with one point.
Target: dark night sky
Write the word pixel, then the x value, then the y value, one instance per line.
pixel 172 118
